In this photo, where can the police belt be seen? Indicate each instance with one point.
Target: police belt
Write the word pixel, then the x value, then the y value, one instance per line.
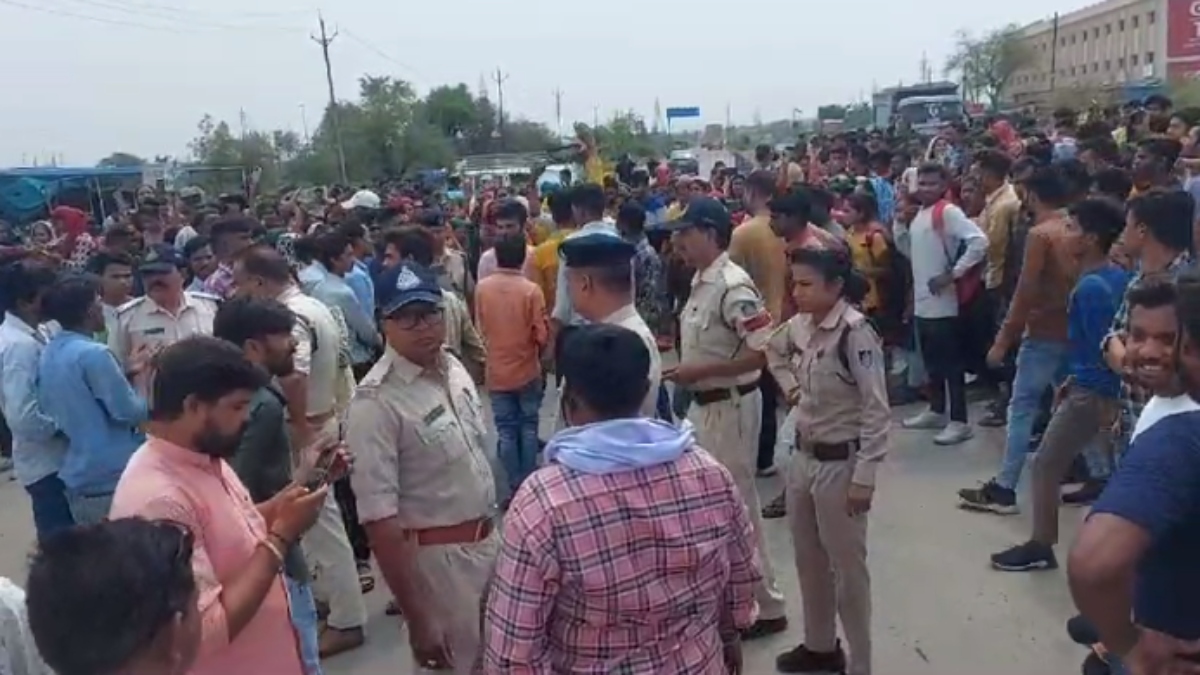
pixel 710 396
pixel 829 452
pixel 469 532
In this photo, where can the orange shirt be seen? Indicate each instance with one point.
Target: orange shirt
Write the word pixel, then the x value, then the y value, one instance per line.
pixel 166 482
pixel 510 313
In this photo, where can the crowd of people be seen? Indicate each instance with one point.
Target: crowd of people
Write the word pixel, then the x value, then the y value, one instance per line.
pixel 229 417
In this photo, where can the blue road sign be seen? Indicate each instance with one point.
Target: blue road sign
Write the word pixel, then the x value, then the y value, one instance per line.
pixel 680 113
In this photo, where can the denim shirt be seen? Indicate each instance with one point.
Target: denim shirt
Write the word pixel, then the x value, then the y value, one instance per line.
pixel 336 294
pixel 83 391
pixel 359 281
pixel 38 448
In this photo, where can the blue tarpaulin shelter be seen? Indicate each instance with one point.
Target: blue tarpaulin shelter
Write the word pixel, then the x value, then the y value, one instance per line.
pixel 26 192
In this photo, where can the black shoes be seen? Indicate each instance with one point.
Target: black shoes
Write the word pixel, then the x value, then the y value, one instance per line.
pixel 1086 494
pixel 803 660
pixel 1027 557
pixel 989 497
pixel 764 628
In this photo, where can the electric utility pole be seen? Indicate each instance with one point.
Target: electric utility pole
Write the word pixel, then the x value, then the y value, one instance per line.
pixel 500 78
pixel 558 110
pixel 325 40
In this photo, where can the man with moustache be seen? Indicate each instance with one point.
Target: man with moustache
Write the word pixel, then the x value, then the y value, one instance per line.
pixel 200 401
pixel 163 316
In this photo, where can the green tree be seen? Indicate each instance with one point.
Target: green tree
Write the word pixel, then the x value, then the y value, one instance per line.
pixel 120 160
pixel 987 64
pixel 452 110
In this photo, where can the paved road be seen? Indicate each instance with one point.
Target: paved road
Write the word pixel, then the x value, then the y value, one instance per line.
pixel 939 608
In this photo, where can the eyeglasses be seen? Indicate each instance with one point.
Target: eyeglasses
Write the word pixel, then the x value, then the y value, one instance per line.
pixel 412 320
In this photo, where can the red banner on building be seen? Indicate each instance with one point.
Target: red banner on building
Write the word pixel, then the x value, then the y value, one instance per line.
pixel 1185 70
pixel 1183 28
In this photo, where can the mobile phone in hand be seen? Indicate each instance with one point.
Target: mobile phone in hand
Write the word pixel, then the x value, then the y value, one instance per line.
pixel 324 471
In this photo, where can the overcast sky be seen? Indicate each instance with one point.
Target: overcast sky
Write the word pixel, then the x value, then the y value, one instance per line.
pixel 79 88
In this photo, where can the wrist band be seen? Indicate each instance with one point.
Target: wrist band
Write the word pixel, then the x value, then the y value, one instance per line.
pixel 270 546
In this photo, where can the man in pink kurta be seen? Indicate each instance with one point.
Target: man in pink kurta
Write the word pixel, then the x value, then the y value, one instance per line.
pixel 164 481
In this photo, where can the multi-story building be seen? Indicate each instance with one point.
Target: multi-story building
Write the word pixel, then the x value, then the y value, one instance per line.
pixel 1110 44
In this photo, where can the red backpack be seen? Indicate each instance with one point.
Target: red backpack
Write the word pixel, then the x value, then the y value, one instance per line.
pixel 970 285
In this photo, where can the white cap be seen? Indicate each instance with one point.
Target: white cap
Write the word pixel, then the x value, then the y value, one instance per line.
pixel 363 199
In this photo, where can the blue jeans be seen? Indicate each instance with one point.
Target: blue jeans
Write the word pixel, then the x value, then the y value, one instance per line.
pixel 663 406
pixel 90 506
pixel 516 416
pixel 51 510
pixel 304 620
pixel 1040 364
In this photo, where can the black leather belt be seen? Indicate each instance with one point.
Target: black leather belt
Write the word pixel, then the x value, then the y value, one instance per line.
pixel 830 452
pixel 711 396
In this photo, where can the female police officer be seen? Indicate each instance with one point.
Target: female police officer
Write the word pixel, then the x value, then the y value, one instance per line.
pixel 829 362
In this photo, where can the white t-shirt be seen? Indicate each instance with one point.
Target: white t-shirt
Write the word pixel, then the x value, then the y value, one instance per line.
pixel 932 255
pixel 627 317
pixel 1159 407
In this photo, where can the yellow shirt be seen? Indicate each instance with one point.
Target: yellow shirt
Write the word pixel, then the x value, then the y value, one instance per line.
pixel 545 264
pixel 871 261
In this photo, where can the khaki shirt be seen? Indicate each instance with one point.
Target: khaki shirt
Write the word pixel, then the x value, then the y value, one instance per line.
pixel 142 324
pixel 418 442
pixel 837 403
pixel 999 217
pixel 318 337
pixel 462 338
pixel 723 316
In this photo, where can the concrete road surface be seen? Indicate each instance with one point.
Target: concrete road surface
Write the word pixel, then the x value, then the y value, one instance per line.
pixel 939 608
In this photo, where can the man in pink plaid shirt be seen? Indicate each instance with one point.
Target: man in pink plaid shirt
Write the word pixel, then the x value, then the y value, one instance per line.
pixel 631 551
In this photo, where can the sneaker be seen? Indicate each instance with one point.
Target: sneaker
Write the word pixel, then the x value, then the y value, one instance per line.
pixel 989 497
pixel 1086 494
pixel 768 472
pixel 926 420
pixel 1029 556
pixel 803 660
pixel 954 433
pixel 996 416
pixel 6 464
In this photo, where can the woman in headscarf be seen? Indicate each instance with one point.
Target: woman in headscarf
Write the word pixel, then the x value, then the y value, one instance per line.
pixel 75 244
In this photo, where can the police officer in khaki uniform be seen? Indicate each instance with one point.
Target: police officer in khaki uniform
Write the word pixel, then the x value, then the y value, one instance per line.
pixel 724 328
pixel 829 362
pixel 163 316
pixel 423 482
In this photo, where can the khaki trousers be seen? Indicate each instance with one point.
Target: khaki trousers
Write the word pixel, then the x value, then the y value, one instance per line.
pixel 457 575
pixel 331 560
pixel 1082 417
pixel 831 557
pixel 728 430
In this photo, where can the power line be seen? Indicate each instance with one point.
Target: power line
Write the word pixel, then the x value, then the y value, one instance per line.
pixel 173 16
pixel 379 52
pixel 96 19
